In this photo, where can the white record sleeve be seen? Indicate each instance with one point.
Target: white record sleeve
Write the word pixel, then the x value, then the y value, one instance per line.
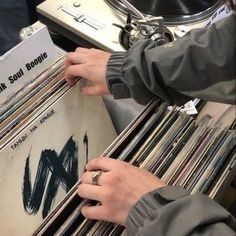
pixel 45 159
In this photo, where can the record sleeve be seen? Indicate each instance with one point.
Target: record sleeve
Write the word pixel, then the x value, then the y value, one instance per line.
pixel 41 164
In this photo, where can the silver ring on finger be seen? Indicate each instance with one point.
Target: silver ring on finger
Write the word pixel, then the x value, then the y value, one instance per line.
pixel 95 177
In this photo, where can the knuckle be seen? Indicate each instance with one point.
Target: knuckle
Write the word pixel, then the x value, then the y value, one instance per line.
pixel 95 161
pixel 78 49
pixel 114 179
pixel 69 56
pixel 108 195
pixel 85 212
pixel 68 71
pixel 84 177
pixel 80 190
pixel 84 91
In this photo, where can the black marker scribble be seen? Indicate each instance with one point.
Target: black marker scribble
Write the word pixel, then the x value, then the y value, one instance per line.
pixel 85 141
pixel 64 171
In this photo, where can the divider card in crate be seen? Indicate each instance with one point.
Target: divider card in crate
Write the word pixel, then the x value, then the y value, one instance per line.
pixel 47 158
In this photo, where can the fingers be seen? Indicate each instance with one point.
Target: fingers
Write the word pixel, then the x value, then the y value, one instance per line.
pixel 73 65
pixel 97 212
pixel 80 70
pixel 71 81
pixel 77 57
pixel 87 176
pixel 88 191
pixel 74 58
pixel 101 212
pixel 75 71
pixel 103 163
pixel 80 56
pixel 89 64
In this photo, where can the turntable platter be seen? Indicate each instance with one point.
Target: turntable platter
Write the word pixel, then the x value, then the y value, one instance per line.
pixel 172 11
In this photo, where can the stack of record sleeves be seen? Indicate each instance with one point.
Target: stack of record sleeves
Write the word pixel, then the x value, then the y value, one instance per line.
pixel 19 109
pixel 198 155
pixel 48 132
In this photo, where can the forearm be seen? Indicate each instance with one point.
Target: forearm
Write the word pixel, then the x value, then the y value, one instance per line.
pixel 172 211
pixel 201 65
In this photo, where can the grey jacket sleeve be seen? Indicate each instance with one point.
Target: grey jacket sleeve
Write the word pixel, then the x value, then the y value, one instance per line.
pixel 171 211
pixel 201 64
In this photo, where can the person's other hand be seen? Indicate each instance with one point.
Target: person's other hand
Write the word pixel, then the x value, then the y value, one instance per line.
pixel 89 64
pixel 121 185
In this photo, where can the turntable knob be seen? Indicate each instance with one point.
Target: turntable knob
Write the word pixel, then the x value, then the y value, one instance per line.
pixel 76 4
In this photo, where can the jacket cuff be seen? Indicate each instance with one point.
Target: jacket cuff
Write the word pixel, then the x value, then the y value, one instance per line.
pixel 114 76
pixel 145 208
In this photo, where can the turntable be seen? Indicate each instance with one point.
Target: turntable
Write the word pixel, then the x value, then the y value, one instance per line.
pixel 105 26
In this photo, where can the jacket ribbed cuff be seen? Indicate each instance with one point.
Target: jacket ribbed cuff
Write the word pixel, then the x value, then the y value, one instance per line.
pixel 114 76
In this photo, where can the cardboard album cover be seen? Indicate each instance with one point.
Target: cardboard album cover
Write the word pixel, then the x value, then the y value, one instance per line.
pixel 41 164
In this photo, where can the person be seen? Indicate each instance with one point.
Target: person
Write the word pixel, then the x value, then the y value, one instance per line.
pixel 25 13
pixel 202 65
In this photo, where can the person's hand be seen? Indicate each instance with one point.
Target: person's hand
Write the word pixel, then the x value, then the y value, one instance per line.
pixel 119 187
pixel 89 64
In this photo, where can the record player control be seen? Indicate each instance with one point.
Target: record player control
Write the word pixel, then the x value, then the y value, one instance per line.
pixel 81 17
pixel 76 4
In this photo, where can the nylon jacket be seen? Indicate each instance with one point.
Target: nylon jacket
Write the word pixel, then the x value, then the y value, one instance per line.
pixel 200 65
pixel 171 211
